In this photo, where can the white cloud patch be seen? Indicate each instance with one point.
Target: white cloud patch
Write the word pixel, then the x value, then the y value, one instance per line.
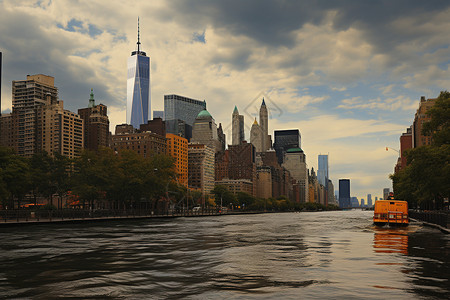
pixel 389 104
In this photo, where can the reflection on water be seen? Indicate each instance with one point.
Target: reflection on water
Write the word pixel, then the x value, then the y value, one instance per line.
pixel 286 256
pixel 390 241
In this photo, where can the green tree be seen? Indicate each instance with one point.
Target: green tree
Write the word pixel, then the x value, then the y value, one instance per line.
pixel 224 196
pixel 439 125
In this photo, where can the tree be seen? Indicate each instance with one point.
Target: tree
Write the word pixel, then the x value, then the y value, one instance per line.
pixel 439 125
pixel 224 196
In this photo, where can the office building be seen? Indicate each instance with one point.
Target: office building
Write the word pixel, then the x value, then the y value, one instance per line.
pixel 344 193
pixel 204 131
pixel 96 124
pixel 386 192
pixel 322 172
pixel 178 107
pixel 264 123
pixel 369 200
pixel 284 140
pixel 138 87
pixel 354 202
pixel 177 147
pixel 242 164
pixel 201 168
pixel 256 136
pixel 295 163
pixel 263 182
pixel 362 203
pixel 237 127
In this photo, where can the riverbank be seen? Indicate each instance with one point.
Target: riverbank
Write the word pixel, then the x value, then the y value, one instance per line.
pixel 441 228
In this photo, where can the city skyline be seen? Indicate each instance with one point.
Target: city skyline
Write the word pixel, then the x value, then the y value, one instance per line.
pixel 349 77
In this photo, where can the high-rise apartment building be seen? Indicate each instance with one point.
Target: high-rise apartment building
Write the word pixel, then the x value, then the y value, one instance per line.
pixel 201 168
pixel 177 107
pixel 96 124
pixel 138 87
pixel 344 193
pixel 420 118
pixel 237 127
pixel 284 140
pixel 27 96
pixel 59 130
pixel 177 147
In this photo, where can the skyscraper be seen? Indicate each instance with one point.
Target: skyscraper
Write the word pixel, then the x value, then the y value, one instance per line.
pixel 344 193
pixel 138 87
pixel 256 136
pixel 178 107
pixel 295 163
pixel 237 127
pixel 96 124
pixel 369 200
pixel 284 140
pixel 29 95
pixel 322 173
pixel 264 123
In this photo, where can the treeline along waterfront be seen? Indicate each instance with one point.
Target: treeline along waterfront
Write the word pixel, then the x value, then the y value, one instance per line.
pixel 107 180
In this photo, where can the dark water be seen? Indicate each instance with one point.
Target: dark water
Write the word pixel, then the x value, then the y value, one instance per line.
pixel 285 256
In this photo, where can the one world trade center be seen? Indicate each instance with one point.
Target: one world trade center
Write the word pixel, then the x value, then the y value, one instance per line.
pixel 138 87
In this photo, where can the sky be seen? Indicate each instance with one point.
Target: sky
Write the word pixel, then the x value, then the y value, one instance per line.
pixel 348 74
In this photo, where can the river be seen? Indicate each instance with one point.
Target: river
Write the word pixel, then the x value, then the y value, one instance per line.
pixel 313 255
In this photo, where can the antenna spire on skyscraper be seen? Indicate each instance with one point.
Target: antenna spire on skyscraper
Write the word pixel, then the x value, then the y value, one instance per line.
pixel 138 42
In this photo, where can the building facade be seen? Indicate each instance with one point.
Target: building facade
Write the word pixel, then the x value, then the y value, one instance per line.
pixel 178 107
pixel 146 143
pixel 138 87
pixel 242 163
pixel 284 140
pixel 96 124
pixel 27 97
pixel 295 163
pixel 204 131
pixel 237 127
pixel 59 130
pixel 177 147
pixel 256 137
pixel 420 118
pixel 201 168
pixel 344 193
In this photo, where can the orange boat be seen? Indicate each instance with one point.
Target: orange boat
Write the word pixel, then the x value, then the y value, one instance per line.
pixel 391 212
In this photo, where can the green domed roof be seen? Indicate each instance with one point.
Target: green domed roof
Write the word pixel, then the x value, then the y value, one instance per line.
pixel 294 150
pixel 204 114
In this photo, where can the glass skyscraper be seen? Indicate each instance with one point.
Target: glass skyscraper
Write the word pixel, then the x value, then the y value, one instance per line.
pixel 344 193
pixel 138 87
pixel 322 173
pixel 182 108
pixel 285 140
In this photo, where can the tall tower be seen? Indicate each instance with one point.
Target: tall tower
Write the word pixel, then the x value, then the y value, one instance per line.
pixel 237 124
pixel 264 123
pixel 322 173
pixel 138 87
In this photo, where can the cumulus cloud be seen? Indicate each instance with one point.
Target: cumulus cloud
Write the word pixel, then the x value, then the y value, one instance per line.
pixel 302 54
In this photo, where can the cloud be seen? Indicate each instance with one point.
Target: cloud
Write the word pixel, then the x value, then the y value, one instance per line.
pixel 388 104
